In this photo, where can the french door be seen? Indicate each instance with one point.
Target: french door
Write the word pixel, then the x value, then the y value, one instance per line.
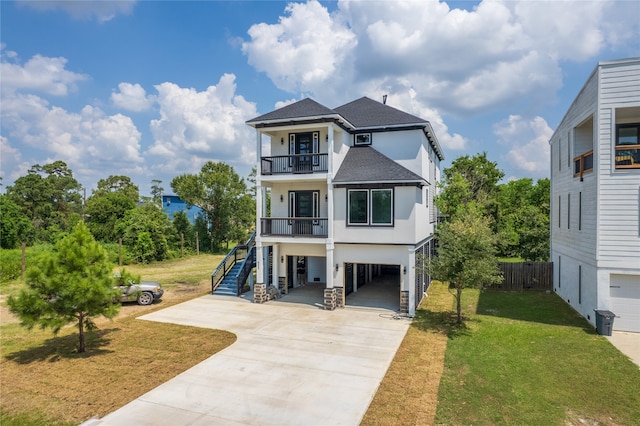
pixel 304 205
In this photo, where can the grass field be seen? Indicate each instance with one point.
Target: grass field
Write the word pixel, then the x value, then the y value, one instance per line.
pixel 520 359
pixel 44 381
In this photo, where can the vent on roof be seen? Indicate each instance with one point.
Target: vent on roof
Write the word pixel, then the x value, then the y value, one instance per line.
pixel 384 99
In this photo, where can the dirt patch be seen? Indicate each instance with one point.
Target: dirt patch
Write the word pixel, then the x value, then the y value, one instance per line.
pixel 6 317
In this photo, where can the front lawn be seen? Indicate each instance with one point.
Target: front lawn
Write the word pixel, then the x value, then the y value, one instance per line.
pixel 527 358
pixel 520 359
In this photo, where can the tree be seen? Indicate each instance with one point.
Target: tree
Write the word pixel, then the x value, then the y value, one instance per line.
pixel 72 284
pixel 183 227
pixel 469 179
pixel 156 192
pixel 113 197
pixel 523 219
pixel 466 254
pixel 224 198
pixel 147 231
pixel 48 195
pixel 15 226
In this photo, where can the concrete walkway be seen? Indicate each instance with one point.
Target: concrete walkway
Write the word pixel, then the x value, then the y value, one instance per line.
pixel 628 343
pixel 292 364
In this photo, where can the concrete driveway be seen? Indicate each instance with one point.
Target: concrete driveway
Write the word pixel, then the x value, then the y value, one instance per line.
pixel 293 364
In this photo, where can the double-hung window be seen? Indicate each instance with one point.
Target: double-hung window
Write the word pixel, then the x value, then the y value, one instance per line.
pixel 370 207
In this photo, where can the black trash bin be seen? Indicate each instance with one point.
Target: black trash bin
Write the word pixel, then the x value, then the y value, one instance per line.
pixel 604 322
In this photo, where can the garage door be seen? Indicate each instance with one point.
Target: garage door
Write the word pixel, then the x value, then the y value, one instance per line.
pixel 624 291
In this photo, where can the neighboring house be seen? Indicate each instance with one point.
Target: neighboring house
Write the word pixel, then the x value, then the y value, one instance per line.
pixel 172 204
pixel 595 196
pixel 351 198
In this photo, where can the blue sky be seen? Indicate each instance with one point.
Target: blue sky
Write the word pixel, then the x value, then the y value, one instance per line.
pixel 152 90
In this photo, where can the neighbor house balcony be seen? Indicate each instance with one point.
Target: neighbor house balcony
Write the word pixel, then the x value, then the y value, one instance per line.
pixel 583 164
pixel 294 164
pixel 294 227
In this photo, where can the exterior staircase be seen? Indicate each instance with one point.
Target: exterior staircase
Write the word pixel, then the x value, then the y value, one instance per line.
pixel 228 285
pixel 234 270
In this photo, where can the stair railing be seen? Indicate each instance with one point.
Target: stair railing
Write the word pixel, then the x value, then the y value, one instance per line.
pixel 237 254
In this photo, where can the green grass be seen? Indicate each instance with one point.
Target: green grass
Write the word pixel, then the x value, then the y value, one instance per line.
pixel 527 358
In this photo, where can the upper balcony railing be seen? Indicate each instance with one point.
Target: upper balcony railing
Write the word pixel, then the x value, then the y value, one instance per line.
pixel 298 163
pixel 583 164
pixel 627 156
pixel 294 226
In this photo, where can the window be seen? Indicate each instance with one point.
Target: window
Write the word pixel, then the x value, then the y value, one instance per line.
pixel 559 211
pixel 580 211
pixel 569 211
pixel 627 146
pixel 363 139
pixel 358 214
pixel 580 284
pixel 381 207
pixel 370 207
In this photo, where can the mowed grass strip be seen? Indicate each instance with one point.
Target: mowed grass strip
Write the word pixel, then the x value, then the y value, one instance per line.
pixel 529 359
pixel 408 393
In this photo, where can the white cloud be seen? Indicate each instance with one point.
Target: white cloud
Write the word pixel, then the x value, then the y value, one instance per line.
pixel 9 157
pixel 101 10
pixel 195 127
pixel 132 97
pixel 457 61
pixel 310 46
pixel 40 73
pixel 527 142
pixel 89 141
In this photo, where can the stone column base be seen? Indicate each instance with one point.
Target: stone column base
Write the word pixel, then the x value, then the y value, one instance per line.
pixel 330 299
pixel 259 293
pixel 404 302
pixel 339 297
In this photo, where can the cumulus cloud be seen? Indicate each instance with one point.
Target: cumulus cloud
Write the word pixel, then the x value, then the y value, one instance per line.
pixel 527 143
pixel 303 50
pixel 459 61
pixel 100 10
pixel 87 141
pixel 41 73
pixel 195 127
pixel 132 97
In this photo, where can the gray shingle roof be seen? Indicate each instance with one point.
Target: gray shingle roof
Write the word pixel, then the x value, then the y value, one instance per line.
pixel 365 112
pixel 365 164
pixel 301 109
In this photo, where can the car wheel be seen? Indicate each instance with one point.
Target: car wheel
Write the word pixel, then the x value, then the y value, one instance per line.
pixel 145 298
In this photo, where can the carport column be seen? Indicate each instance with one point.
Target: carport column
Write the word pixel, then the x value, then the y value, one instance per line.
pixel 277 266
pixel 407 293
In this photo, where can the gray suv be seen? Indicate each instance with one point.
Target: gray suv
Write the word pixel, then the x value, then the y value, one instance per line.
pixel 145 293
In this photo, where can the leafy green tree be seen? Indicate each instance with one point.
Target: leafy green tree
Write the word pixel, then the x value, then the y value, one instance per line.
pixel 72 284
pixel 156 192
pixel 113 197
pixel 147 231
pixel 469 179
pixel 223 196
pixel 48 195
pixel 15 226
pixel 523 219
pixel 466 254
pixel 183 227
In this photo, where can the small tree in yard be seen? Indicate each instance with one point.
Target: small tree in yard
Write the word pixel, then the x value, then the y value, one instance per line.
pixel 73 284
pixel 466 254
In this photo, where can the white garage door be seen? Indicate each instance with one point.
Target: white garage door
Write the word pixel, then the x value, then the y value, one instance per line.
pixel 624 291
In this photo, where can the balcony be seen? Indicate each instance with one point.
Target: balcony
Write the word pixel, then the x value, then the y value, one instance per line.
pixel 628 157
pixel 294 227
pixel 583 164
pixel 294 164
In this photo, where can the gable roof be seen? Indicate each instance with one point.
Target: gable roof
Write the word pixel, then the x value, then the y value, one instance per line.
pixel 367 113
pixel 363 164
pixel 306 108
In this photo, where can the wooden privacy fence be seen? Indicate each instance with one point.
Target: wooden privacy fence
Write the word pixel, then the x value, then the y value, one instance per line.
pixel 525 276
